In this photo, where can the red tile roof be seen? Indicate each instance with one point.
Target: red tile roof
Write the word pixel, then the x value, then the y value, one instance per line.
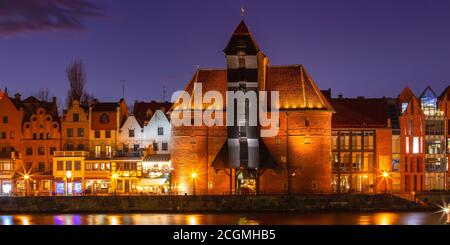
pixel 296 88
pixel 360 113
pixel 140 110
pixel 105 106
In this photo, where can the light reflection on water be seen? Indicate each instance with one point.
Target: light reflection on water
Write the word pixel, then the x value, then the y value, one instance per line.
pixel 381 218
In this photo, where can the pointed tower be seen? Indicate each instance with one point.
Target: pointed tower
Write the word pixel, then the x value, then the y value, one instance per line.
pixel 242 75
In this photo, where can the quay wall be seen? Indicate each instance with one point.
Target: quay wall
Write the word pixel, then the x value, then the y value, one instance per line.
pixel 173 204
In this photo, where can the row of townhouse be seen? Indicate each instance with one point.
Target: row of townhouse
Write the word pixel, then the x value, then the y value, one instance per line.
pixel 323 144
pixel 94 149
pixel 407 138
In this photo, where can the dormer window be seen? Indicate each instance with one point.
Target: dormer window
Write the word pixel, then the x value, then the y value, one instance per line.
pixel 104 118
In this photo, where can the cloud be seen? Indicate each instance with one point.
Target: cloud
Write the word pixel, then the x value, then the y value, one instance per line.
pixel 45 15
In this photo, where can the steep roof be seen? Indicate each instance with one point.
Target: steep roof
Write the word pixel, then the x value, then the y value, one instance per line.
pixel 445 94
pixel 297 90
pixel 141 108
pixel 241 29
pixel 32 104
pixel 360 113
pixel 105 106
pixel 242 39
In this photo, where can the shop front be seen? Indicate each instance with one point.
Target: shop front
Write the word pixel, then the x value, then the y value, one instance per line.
pixel 97 186
pixel 68 186
pixel 6 186
pixel 156 169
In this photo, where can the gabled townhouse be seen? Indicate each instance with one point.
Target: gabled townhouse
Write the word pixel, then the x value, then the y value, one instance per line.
pixel 40 139
pixel 69 162
pixel 153 117
pixel 11 116
pixel 105 121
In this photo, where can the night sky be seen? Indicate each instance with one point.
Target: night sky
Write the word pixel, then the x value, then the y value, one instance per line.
pixel 356 47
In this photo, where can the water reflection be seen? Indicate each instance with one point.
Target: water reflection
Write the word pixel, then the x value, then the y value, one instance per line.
pixel 381 218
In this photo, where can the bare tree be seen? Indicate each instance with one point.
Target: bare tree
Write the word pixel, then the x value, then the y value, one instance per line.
pixel 87 98
pixel 77 80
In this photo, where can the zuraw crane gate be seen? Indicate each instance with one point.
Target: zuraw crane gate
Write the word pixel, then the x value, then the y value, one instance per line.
pixel 235 159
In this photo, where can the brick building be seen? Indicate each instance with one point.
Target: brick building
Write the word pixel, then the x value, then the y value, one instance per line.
pixel 40 139
pixel 11 116
pixel 361 145
pixel 235 158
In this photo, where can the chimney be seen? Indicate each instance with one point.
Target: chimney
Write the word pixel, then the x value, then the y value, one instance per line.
pixel 17 96
pixel 340 96
pixel 54 99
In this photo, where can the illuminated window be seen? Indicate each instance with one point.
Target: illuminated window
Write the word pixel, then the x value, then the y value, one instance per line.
pixel 416 145
pixel 368 140
pixel 307 140
pixel 97 151
pixel 404 106
pixel 356 140
pixel 334 140
pixel 344 140
pixel 60 166
pixel 108 151
pixel 448 144
pixel 283 159
pixel 407 145
pixel 77 165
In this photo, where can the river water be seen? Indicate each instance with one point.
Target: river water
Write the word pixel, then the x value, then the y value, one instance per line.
pixel 378 218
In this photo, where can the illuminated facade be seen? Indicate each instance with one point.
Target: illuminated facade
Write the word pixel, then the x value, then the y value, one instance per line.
pixel 235 159
pixel 11 116
pixel 41 137
pixel 436 163
pixel 361 149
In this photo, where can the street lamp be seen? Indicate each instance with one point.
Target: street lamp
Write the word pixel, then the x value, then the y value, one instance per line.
pixel 26 177
pixel 194 177
pixel 68 180
pixel 115 176
pixel 385 177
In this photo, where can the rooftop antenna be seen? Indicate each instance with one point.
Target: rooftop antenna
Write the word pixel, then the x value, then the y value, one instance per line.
pixel 123 88
pixel 242 12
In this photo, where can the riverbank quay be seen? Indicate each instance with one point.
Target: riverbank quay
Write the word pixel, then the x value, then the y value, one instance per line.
pixel 179 204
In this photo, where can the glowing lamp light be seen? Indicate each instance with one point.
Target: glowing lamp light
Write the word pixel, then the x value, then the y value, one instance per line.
pixel 446 210
pixel 194 175
pixel 26 177
pixel 385 174
pixel 115 176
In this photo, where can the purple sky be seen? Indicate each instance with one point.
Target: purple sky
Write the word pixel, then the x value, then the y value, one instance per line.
pixel 356 47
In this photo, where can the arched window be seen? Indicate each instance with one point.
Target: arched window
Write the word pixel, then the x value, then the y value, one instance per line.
pixel 104 118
